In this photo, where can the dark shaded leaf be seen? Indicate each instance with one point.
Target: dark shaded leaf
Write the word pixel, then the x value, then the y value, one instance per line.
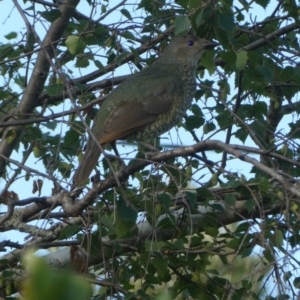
pixel 126 13
pixel 11 35
pixel 193 122
pixel 55 89
pixel 69 231
pixel 230 199
pixel 226 21
pixel 51 15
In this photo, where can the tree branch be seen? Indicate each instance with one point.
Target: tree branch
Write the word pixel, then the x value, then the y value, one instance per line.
pixel 39 76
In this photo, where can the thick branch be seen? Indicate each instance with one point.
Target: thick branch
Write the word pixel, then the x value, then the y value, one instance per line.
pixel 146 232
pixel 39 76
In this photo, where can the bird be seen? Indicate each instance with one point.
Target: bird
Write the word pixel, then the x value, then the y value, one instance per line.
pixel 148 103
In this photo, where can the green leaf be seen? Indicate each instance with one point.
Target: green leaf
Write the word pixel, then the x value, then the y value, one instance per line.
pixel 75 44
pixel 230 199
pixel 42 282
pixel 266 72
pixel 226 21
pixel 233 244
pixel 207 61
pixel 11 35
pixel 51 15
pixel 196 110
pixel 268 255
pixel 222 38
pixel 20 80
pixel 296 282
pixel 243 227
pixel 108 223
pixel 103 9
pixel 123 228
pixel 5 51
pixel 161 267
pixel 287 276
pixel 200 93
pixel 217 207
pixel 126 13
pixel 245 4
pixel 193 122
pixel 182 25
pixel 69 231
pixel 250 204
pixel 209 127
pixel 193 4
pixel 128 35
pixel 90 39
pixel 34 132
pixel 31 40
pixel 263 3
pixel 71 138
pixel 165 200
pixel 120 57
pixel 51 125
pixel 247 252
pixel 199 17
pixel 224 119
pixel 278 238
pixel 241 60
pixel 212 231
pixel 224 88
pixel 82 62
pixel 257 111
pixel 99 65
pixel 154 245
pixel 288 73
pixel 125 219
pixel 259 129
pixel 229 57
pixel 126 211
pixel 65 169
pixel 37 152
pixel 192 197
pixel 241 134
pixel 264 184
pixel 55 89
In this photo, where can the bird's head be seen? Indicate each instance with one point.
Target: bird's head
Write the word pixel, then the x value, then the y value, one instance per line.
pixel 186 50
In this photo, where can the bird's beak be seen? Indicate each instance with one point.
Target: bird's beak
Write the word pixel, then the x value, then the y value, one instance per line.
pixel 210 45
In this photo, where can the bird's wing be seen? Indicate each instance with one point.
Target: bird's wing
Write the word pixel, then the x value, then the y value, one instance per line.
pixel 124 120
pixel 142 109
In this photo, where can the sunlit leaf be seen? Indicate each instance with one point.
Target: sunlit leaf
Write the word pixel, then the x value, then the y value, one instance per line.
pixel 182 25
pixel 75 44
pixel 241 59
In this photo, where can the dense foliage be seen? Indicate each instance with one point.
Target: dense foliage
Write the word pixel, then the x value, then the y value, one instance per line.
pixel 213 215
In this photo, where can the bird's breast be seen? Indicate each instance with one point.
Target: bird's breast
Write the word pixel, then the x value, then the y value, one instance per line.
pixel 169 119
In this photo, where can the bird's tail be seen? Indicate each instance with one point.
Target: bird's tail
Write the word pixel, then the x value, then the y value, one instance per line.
pixel 87 164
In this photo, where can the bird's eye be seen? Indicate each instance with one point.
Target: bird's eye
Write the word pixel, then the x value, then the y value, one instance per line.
pixel 190 43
